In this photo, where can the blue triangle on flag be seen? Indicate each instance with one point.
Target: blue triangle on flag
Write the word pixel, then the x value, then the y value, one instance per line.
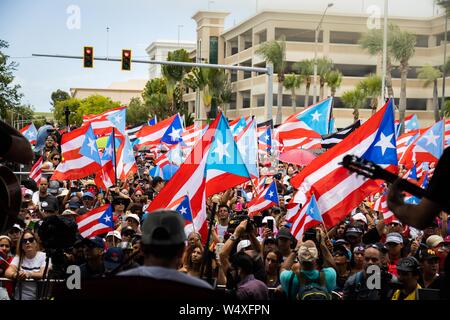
pixel 432 140
pixel 173 132
pixel 383 150
pixel 313 209
pixel 272 193
pixel 89 148
pixel 118 119
pixel 184 208
pixel 107 217
pixel 317 117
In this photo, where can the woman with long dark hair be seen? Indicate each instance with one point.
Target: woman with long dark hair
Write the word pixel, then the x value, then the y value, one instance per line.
pixel 193 260
pixel 28 264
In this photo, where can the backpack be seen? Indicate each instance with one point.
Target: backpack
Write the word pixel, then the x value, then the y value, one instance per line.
pixel 313 289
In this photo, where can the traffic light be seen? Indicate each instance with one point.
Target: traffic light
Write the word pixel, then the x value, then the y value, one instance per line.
pixel 88 57
pixel 126 59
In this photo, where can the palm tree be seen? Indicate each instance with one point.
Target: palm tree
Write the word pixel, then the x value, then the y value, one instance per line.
pixel 324 65
pixel 333 80
pixel 372 41
pixel 431 75
pixel 275 52
pixel 403 48
pixel 371 86
pixel 292 82
pixel 354 99
pixel 306 70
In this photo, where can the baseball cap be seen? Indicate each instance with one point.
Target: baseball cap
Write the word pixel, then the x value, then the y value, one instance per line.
pixel 269 240
pixel 427 254
pixel 74 203
pixel 307 254
pixel 88 195
pixel 95 242
pixel 434 240
pixel 113 258
pixel 353 231
pixel 394 237
pixel 284 233
pixel 69 212
pixel 28 192
pixel 53 187
pixel 114 233
pixel 342 250
pixel 359 248
pixel 17 226
pixel 133 216
pixel 128 231
pixel 163 227
pixel 408 264
pixel 243 244
pixel 396 221
pixel 360 217
pixel 341 242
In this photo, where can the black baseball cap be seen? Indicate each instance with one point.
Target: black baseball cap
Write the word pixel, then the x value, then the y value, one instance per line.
pixel 163 227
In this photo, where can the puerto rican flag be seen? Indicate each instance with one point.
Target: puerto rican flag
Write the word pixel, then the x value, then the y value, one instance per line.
pixel 191 135
pixel 126 162
pixel 104 122
pixel 309 216
pixel 304 130
pixel 183 207
pixel 96 222
pixel 238 125
pixel 404 141
pixel 36 171
pixel 80 155
pixel 411 123
pixel 265 140
pixel 381 206
pixel 30 133
pixel 265 200
pixel 211 167
pixel 247 143
pixel 152 135
pixel 337 190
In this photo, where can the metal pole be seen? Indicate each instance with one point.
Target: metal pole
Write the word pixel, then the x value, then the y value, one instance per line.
pixel 114 155
pixel 383 77
pixel 444 71
pixel 316 40
pixel 107 42
pixel 269 101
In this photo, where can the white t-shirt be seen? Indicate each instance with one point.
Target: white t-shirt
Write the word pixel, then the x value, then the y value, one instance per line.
pixel 29 288
pixel 221 230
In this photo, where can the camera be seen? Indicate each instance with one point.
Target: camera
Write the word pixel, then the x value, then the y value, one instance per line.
pixel 234 222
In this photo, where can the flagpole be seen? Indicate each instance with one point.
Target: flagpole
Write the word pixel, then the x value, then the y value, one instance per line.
pixel 190 210
pixel 114 155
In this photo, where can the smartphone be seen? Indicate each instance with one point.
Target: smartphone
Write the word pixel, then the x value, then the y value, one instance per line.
pixel 239 193
pixel 258 221
pixel 270 224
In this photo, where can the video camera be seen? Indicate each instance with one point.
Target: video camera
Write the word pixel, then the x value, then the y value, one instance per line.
pixel 255 222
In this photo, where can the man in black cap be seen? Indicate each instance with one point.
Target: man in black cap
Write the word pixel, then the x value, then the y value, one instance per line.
pixel 353 235
pixel 163 242
pixel 284 242
pixel 157 185
pixel 93 252
pixel 409 272
pixel 429 263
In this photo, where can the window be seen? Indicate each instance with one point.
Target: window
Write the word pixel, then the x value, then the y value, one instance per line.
pixel 421 41
pixel 344 37
pixel 233 101
pixel 260 100
pixel 355 70
pixel 297 35
pixel 416 104
pixel 245 99
pixel 261 37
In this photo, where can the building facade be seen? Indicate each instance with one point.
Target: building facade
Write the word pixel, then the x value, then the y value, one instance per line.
pixel 338 40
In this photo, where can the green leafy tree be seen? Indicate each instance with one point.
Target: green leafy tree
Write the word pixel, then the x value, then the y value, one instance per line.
pixel 137 112
pixel 403 49
pixel 9 93
pixel 324 66
pixel 292 82
pixel 371 87
pixel 333 79
pixel 354 99
pixel 306 70
pixel 156 98
pixel 59 95
pixel 275 52
pixel 430 75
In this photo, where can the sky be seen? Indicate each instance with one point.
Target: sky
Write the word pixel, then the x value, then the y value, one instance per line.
pixel 65 26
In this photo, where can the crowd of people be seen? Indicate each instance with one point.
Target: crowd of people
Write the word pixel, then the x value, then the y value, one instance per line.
pixel 252 259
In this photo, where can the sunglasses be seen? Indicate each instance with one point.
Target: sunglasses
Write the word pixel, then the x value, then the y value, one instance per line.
pixel 27 240
pixel 56 159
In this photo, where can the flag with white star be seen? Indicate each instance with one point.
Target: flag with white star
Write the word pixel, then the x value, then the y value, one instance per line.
pixel 317 117
pixel 89 148
pixel 225 167
pixel 265 140
pixel 239 127
pixel 430 146
pixel 313 209
pixel 118 118
pixel 30 133
pixel 383 150
pixel 173 132
pixel 96 222
pixel 268 198
pixel 183 207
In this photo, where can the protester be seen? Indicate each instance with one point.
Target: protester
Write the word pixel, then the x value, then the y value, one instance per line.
pixel 408 272
pixel 193 260
pixel 93 252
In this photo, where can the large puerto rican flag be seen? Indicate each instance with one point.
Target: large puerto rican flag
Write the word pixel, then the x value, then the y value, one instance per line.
pixel 337 190
pixel 304 130
pixel 213 165
pixel 95 222
pixel 103 123
pixel 169 130
pixel 80 155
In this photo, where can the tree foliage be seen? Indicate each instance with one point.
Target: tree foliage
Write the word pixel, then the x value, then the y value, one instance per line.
pixel 9 92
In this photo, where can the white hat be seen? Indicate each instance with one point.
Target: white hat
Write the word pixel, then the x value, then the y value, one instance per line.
pixel 133 216
pixel 114 233
pixel 242 245
pixel 434 240
pixel 28 192
pixel 17 226
pixel 360 217
pixel 266 218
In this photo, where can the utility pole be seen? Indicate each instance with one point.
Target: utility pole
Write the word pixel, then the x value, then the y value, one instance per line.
pixel 383 77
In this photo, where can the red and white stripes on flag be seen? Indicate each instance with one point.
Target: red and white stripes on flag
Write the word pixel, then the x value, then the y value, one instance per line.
pixel 151 135
pixel 95 222
pixel 191 135
pixel 36 171
pixel 100 122
pixel 447 134
pixel 403 141
pixel 381 206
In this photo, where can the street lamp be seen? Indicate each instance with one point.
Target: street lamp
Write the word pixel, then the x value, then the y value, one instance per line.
pixel 316 41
